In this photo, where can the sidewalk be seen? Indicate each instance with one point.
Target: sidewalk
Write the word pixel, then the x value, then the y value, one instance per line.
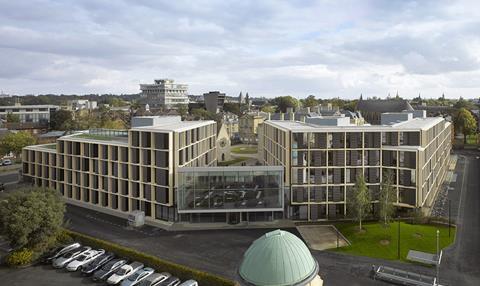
pixel 223 226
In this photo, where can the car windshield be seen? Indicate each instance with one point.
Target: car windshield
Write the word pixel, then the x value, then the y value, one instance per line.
pixel 121 271
pixel 108 266
pixel 82 258
pixel 134 277
pixel 68 255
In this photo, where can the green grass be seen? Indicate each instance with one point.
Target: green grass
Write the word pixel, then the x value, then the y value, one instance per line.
pixel 244 150
pixel 472 139
pixel 231 162
pixel 412 237
pixel 50 146
pixel 96 137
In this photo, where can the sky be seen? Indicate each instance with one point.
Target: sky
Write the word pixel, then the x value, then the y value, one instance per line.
pixel 330 48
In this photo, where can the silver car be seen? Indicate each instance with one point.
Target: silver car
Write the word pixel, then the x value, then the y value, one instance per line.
pixel 137 277
pixel 189 283
pixel 154 279
pixel 63 260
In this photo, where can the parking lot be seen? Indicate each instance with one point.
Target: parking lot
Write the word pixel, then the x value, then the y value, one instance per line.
pixel 42 275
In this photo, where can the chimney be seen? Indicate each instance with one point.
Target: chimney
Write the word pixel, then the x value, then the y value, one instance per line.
pixel 308 109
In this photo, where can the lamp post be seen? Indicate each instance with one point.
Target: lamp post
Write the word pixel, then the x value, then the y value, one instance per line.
pixel 438 253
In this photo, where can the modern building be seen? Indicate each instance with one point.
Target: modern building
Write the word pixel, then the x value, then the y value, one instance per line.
pixel 214 101
pixel 36 114
pixel 234 194
pixel 323 157
pixel 164 93
pixel 119 172
pixel 279 258
pixel 372 109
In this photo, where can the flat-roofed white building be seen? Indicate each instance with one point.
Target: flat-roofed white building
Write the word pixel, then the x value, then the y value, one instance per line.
pixel 322 159
pixel 119 172
pixel 39 114
pixel 164 93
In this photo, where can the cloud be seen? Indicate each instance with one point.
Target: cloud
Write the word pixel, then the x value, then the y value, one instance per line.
pixel 269 48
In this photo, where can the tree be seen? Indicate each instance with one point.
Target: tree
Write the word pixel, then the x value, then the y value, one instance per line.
pixel 360 203
pixel 31 218
pixel 62 120
pixel 462 103
pixel 114 124
pixel 465 123
pixel 13 118
pixel 387 197
pixel 203 114
pixel 268 108
pixel 232 107
pixel 15 142
pixel 284 102
pixel 182 110
pixel 310 101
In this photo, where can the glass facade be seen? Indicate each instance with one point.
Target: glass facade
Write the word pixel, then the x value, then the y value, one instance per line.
pixel 232 189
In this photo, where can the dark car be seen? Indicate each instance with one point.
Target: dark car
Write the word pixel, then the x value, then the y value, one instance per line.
pixel 171 281
pixel 97 263
pixel 108 269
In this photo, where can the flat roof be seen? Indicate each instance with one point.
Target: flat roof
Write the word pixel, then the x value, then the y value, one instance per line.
pixel 29 106
pixel 414 124
pixel 174 126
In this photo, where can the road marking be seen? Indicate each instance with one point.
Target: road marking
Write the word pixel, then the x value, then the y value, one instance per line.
pixel 459 214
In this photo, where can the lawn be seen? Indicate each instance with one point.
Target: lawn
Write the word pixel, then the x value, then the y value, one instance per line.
pixel 233 161
pixel 380 242
pixel 244 150
pixel 50 146
pixel 96 137
pixel 472 139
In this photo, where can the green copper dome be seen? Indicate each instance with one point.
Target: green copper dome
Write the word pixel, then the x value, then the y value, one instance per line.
pixel 278 258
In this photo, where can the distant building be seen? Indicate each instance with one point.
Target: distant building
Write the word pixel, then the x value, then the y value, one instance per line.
pixel 230 121
pixel 223 144
pixel 164 93
pixel 36 115
pixel 248 127
pixel 214 101
pixel 80 104
pixel 372 109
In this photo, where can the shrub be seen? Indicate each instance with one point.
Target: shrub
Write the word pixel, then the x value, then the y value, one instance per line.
pixel 180 271
pixel 20 257
pixel 63 237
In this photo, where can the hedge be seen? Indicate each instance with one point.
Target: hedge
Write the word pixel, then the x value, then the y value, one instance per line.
pixel 178 270
pixel 20 257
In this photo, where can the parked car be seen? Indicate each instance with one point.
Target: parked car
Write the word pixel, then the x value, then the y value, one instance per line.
pixel 124 272
pixel 137 277
pixel 189 283
pixel 170 281
pixel 56 252
pixel 63 260
pixel 154 279
pixel 83 259
pixel 6 162
pixel 98 262
pixel 108 269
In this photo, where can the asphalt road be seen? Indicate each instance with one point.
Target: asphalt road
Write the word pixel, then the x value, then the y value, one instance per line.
pixel 460 265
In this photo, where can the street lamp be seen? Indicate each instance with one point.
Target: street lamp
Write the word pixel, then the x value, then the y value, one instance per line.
pixel 438 253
